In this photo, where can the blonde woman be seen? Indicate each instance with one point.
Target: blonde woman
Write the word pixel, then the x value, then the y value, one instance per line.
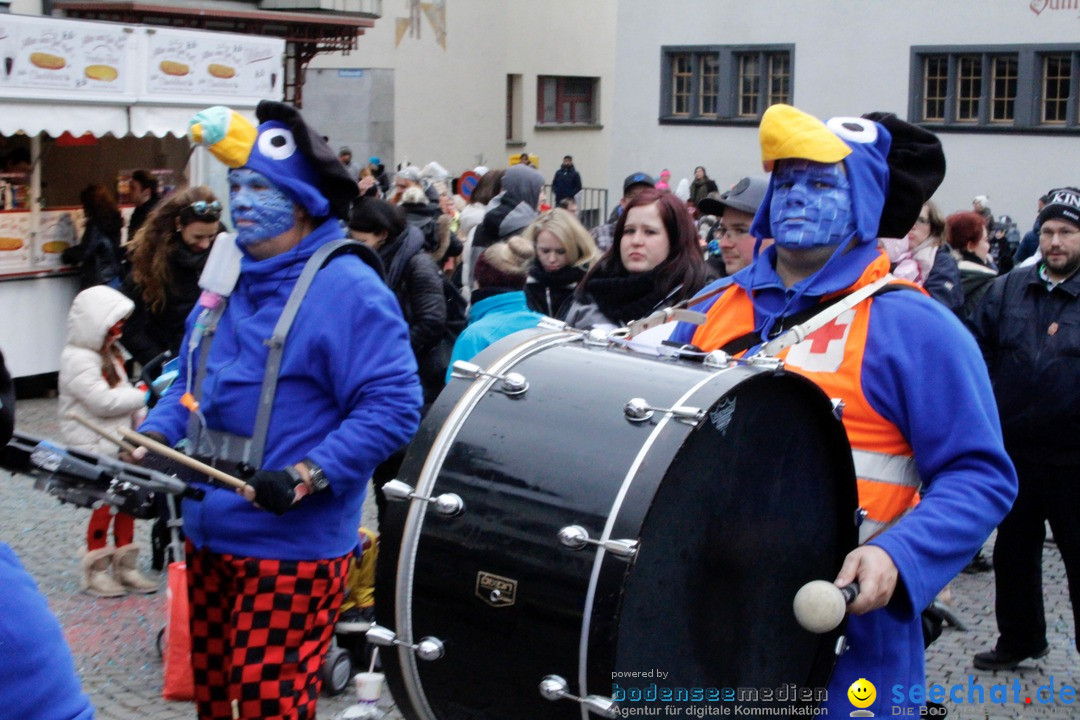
pixel 564 251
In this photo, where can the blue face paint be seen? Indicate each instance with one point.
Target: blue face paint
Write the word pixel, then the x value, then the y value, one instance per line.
pixel 811 204
pixel 259 210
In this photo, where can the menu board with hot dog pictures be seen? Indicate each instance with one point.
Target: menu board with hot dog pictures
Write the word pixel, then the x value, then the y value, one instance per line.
pixel 184 62
pixel 14 242
pixel 59 229
pixel 42 56
pixel 62 59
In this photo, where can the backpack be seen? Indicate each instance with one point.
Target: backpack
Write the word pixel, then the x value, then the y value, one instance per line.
pixel 428 227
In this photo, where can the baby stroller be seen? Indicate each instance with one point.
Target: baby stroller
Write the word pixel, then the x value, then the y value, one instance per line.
pixel 349 651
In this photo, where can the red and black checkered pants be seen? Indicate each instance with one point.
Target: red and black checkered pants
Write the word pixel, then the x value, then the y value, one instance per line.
pixel 259 632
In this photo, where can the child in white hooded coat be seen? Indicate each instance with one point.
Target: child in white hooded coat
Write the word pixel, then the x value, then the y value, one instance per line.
pixel 94 384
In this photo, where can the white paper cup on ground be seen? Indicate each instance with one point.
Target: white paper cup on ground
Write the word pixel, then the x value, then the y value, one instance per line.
pixel 368 687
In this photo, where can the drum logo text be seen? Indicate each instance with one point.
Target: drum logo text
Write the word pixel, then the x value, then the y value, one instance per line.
pixel 495 590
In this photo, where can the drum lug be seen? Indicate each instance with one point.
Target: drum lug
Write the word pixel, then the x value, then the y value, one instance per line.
pixel 860 515
pixel 550 323
pixel 597 338
pixel 429 648
pixel 555 687
pixel 511 384
pixel 448 504
pixel 718 359
pixel 841 646
pixel 638 410
pixel 576 537
pixel 766 362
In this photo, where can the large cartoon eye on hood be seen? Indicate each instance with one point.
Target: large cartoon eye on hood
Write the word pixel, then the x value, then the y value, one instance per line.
pixel 854 130
pixel 277 143
pixel 861 144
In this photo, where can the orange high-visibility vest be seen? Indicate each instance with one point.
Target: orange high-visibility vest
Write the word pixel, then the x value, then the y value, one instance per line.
pixel 832 357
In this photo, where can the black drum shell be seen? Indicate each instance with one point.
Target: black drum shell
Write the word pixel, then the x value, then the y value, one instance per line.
pixel 559 455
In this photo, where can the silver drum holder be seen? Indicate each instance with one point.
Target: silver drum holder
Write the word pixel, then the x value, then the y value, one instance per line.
pixel 555 687
pixel 511 384
pixel 447 504
pixel 576 537
pixel 429 648
pixel 638 410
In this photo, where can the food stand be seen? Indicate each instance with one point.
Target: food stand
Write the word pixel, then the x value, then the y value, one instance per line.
pixel 90 102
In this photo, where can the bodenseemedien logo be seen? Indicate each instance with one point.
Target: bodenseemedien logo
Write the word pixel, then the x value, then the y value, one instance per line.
pixel 862 694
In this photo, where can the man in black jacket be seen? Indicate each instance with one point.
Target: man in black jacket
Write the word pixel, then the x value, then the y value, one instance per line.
pixel 567 182
pixel 1028 325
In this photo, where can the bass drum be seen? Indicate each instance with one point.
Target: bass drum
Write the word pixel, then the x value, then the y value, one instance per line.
pixel 562 543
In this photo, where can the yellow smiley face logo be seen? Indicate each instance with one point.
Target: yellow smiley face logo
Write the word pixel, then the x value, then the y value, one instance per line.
pixel 862 693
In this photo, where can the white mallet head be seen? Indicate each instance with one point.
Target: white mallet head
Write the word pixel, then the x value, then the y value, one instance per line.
pixel 819 606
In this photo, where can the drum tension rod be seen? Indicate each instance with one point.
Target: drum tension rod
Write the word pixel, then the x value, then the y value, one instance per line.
pixel 555 687
pixel 448 504
pixel 429 648
pixel 576 537
pixel 720 359
pixel 511 384
pixel 638 410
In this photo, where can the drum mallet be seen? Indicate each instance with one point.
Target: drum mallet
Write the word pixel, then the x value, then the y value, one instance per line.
pixel 820 606
pixel 165 451
pixel 93 426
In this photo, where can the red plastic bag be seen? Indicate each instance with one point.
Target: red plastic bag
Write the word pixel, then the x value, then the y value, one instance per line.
pixel 179 682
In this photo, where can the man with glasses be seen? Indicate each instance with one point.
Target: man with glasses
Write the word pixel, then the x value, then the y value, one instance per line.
pixel 1028 325
pixel 736 209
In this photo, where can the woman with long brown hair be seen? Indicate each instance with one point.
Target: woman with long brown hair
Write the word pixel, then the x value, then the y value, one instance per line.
pixel 653 262
pixel 167 256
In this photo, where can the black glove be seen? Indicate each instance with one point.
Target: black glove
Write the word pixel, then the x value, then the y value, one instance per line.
pixel 275 490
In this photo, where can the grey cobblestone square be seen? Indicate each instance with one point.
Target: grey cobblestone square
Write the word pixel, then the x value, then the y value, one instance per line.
pixel 113 640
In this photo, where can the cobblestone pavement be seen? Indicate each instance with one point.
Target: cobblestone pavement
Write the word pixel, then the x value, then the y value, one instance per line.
pixel 114 640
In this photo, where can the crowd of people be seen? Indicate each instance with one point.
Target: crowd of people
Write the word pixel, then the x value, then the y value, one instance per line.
pixel 818 245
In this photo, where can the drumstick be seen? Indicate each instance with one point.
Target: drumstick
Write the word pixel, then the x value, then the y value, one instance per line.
pixel 166 451
pixel 91 425
pixel 820 606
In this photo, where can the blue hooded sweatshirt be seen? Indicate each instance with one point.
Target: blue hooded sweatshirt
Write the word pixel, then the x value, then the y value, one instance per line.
pixel 347 397
pixel 490 320
pixel 922 372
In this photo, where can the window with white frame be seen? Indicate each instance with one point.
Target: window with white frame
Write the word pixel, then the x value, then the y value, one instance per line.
pixel 724 84
pixel 1024 88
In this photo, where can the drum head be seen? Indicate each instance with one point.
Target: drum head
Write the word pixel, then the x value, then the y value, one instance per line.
pixel 759 500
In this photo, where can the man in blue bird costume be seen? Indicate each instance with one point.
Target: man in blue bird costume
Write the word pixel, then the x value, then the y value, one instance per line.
pixel 918 408
pixel 303 378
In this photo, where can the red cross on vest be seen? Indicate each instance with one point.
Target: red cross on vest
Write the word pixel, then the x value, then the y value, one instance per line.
pixel 823 349
pixel 820 338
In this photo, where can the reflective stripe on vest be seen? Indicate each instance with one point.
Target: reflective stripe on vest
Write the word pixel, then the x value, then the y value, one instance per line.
pixel 884 468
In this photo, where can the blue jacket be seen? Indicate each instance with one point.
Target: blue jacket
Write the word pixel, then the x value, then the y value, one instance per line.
pixel 347 397
pixel 490 320
pixel 943 281
pixel 1028 245
pixel 37 673
pixel 923 373
pixel 566 183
